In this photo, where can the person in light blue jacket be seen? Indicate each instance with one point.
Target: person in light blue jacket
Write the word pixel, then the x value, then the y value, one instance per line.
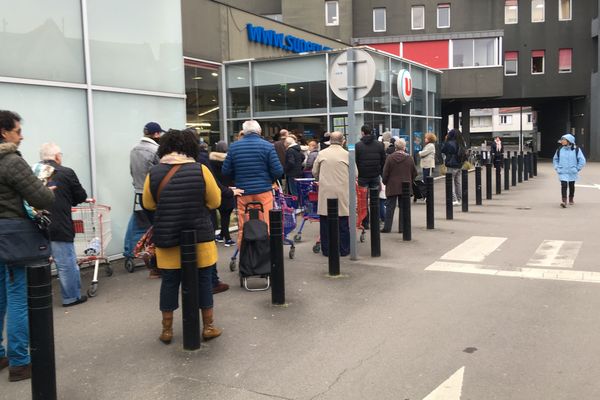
pixel 568 161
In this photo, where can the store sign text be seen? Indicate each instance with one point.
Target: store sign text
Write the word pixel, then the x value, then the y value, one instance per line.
pixel 269 37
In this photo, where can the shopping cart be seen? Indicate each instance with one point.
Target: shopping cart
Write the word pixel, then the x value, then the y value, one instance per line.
pixel 91 223
pixel 286 204
pixel 308 193
pixel 361 210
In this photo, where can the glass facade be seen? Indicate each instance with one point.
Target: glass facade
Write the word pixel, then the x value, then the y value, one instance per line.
pixel 293 93
pixel 92 91
pixel 202 82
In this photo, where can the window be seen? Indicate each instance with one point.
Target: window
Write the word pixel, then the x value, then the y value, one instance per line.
pixel 443 16
pixel 537 62
pixel 528 118
pixel 511 11
pixel 417 17
pixel 564 10
pixel 511 63
pixel 506 119
pixel 379 20
pixel 537 10
pixel 332 13
pixel 565 57
pixel 474 52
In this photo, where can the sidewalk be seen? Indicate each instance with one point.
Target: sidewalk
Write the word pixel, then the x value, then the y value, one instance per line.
pixel 387 330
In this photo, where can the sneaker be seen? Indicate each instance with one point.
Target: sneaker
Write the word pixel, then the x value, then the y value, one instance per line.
pixel 563 204
pixel 229 242
pixel 19 373
pixel 80 300
pixel 220 287
pixel 456 203
pixel 3 363
pixel 219 239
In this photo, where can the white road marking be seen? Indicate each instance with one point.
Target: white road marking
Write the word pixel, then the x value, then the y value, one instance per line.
pixel 451 389
pixel 474 249
pixel 555 254
pixel 526 273
pixel 594 186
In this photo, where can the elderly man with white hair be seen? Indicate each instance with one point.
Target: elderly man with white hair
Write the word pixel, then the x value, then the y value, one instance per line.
pixel 68 192
pixel 399 167
pixel 253 165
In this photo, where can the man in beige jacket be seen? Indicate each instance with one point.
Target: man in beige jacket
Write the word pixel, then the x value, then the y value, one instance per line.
pixel 331 170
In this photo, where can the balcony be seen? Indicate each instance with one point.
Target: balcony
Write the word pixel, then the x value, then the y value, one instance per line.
pixel 462 83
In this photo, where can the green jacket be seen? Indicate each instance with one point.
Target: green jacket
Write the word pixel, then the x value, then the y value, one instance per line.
pixel 18 183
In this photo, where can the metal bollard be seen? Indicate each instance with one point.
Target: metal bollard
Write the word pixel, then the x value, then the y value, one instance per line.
pixel 530 169
pixel 526 167
pixel 449 209
pixel 498 180
pixel 375 233
pixel 478 196
pixel 465 190
pixel 506 174
pixel 430 202
pixel 277 265
pixel 535 161
pixel 333 227
pixel 488 181
pixel 520 168
pixel 41 333
pixel 189 291
pixel 513 170
pixel 406 223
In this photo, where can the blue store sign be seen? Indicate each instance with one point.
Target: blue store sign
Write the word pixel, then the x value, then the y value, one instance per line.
pixel 269 37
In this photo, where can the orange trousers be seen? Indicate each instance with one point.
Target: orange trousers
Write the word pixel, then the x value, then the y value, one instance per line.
pixel 265 198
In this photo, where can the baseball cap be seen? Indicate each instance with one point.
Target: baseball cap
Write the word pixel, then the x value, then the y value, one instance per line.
pixel 152 127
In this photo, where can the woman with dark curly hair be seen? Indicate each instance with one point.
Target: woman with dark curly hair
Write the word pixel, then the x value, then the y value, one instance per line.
pixel 182 192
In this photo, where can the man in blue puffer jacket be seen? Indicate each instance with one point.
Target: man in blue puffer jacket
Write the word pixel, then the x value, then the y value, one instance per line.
pixel 568 161
pixel 253 165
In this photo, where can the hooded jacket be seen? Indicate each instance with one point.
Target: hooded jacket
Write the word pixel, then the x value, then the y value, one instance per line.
pixel 370 157
pixel 399 167
pixel 293 162
pixel 570 160
pixel 141 158
pixel 18 183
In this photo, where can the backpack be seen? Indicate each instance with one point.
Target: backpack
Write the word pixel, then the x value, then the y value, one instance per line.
pixel 558 153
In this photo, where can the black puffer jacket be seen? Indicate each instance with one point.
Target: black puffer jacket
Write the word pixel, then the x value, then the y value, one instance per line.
pixel 370 157
pixel 293 161
pixel 450 150
pixel 18 183
pixel 69 193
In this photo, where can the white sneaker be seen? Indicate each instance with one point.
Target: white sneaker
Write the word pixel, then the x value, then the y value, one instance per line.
pixel 456 203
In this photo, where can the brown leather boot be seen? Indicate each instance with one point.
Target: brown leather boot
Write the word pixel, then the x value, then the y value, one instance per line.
pixel 19 373
pixel 167 327
pixel 209 331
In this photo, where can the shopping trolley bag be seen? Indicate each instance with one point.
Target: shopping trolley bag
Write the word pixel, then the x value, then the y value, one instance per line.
pixel 255 252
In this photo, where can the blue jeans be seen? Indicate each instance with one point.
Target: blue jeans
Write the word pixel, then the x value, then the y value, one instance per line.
pixel 169 288
pixel 13 306
pixel 133 235
pixel 68 271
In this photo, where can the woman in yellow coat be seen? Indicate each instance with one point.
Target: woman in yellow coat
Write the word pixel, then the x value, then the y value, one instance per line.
pixel 182 192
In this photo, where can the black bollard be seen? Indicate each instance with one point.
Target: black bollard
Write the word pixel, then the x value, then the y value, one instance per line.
pixel 526 167
pixel 41 333
pixel 277 270
pixel 535 160
pixel 189 291
pixel 406 223
pixel 506 175
pixel 333 227
pixel 530 169
pixel 478 196
pixel 375 233
pixel 520 168
pixel 488 181
pixel 513 170
pixel 465 190
pixel 449 209
pixel 430 202
pixel 498 180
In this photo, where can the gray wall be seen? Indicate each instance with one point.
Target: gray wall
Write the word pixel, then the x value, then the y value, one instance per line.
pixel 256 6
pixel 469 83
pixel 310 15
pixel 201 20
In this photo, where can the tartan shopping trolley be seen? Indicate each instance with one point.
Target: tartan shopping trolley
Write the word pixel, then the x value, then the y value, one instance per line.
pixel 91 223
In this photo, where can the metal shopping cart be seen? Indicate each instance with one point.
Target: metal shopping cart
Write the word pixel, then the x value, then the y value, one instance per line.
pixel 308 193
pixel 286 204
pixel 361 210
pixel 91 223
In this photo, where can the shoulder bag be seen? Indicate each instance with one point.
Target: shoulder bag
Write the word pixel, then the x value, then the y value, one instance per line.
pixel 24 241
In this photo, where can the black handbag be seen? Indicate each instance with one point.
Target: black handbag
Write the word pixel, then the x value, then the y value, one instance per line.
pixel 24 241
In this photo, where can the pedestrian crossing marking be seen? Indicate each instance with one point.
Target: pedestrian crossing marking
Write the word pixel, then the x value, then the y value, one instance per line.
pixel 474 249
pixel 555 254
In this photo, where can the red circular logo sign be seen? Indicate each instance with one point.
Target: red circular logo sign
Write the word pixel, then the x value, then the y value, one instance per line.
pixel 404 86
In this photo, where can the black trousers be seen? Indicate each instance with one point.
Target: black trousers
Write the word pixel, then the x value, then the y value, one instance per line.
pixel 225 220
pixel 344 236
pixel 563 189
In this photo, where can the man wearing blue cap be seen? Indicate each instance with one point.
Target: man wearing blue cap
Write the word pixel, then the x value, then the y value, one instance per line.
pixel 141 159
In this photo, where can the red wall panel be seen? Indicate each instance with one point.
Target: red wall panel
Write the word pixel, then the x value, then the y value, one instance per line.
pixel 432 53
pixel 392 48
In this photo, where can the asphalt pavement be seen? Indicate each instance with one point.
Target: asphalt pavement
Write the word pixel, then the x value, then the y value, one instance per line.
pixel 503 300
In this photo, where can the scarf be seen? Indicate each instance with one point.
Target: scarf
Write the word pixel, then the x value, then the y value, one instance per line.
pixel 176 158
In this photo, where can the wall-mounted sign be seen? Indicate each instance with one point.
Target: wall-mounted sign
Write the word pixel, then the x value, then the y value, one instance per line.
pixel 364 75
pixel 269 37
pixel 404 86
